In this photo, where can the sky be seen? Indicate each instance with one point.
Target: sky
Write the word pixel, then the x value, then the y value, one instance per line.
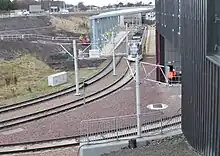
pixel 105 2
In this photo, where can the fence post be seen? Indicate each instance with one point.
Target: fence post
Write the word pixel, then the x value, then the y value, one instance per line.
pixel 161 125
pixel 87 133
pixel 116 126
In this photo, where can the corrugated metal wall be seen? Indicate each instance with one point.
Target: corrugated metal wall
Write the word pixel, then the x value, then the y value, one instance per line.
pixel 201 74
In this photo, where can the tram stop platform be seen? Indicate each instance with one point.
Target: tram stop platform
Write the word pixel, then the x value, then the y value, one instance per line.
pixel 108 48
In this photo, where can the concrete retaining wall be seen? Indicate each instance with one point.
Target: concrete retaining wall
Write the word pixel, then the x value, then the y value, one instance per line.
pixel 102 147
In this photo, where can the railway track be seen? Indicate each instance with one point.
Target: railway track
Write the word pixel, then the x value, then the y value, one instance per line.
pixel 29 110
pixel 103 72
pixel 44 109
pixel 73 141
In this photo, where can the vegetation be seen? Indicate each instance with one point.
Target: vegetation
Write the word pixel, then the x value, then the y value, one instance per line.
pixel 72 24
pixel 6 5
pixel 26 77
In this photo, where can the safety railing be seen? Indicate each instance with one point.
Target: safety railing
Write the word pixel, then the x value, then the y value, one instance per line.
pixel 34 36
pixel 118 127
pixel 10 15
pixel 144 39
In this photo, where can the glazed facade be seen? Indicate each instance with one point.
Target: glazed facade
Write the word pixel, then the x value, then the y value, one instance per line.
pixel 190 30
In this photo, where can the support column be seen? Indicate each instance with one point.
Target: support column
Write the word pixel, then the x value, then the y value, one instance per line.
pixel 140 19
pixel 138 105
pixel 122 21
pixel 94 34
pixel 160 53
pixel 98 32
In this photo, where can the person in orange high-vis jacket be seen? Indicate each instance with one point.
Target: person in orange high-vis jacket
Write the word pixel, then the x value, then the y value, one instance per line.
pixel 170 75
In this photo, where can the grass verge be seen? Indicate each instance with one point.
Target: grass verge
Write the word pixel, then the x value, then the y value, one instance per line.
pixel 27 78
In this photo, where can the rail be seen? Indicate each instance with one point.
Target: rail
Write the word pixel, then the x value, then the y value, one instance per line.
pixel 153 123
pixel 34 36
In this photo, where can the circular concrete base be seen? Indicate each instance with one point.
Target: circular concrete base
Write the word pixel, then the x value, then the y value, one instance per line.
pixel 157 106
pixel 128 88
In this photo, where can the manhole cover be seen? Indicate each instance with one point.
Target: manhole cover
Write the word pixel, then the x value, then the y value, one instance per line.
pixel 157 106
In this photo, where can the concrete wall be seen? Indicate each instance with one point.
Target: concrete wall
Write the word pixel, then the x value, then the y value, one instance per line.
pixel 106 146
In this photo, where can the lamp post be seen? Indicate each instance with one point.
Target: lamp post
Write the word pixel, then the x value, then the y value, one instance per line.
pixel 138 109
pixel 75 58
pixel 127 49
pixel 76 68
pixel 113 55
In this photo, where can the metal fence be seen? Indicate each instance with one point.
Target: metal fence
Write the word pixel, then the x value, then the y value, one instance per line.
pixel 124 126
pixel 35 37
pixel 10 15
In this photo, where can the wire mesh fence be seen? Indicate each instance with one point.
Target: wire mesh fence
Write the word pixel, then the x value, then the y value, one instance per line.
pixel 124 126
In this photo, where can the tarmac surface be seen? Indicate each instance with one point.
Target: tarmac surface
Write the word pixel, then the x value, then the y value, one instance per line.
pixel 117 104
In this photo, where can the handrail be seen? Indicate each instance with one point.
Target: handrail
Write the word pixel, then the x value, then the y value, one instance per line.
pixel 35 36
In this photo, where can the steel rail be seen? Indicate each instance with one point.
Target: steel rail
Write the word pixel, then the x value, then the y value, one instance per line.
pixel 67 106
pixel 37 146
pixel 6 108
pixel 53 95
pixel 56 94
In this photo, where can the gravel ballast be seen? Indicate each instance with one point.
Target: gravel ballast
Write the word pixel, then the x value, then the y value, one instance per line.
pixel 170 146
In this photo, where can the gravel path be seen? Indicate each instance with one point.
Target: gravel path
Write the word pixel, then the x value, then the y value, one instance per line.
pixel 120 103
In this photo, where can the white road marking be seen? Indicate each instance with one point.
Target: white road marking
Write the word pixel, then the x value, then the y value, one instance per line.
pixel 12 131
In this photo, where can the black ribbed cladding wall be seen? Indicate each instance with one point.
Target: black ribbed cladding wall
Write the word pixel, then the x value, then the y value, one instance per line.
pixel 201 74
